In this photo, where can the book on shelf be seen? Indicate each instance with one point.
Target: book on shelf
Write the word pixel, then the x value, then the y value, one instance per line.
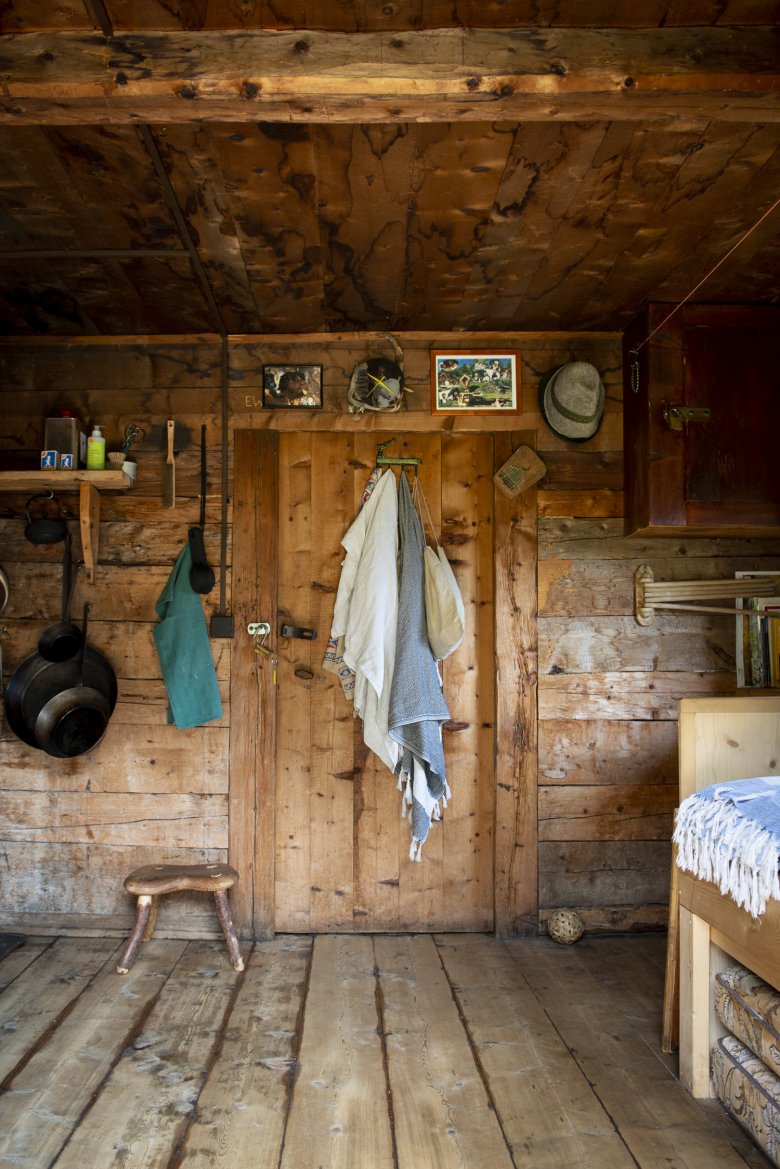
pixel 773 644
pixel 758 639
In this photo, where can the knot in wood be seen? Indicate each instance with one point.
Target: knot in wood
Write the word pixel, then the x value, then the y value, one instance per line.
pixel 302 46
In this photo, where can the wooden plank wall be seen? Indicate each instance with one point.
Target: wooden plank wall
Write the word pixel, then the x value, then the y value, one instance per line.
pixel 607 689
pixel 608 694
pixel 71 829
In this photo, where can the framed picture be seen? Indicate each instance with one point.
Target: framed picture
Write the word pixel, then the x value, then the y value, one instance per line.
pixel 475 382
pixel 292 387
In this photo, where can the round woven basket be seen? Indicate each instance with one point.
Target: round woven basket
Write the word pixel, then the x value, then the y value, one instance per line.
pixel 565 926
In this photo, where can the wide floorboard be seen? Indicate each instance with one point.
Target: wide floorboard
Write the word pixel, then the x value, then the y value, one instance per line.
pixel 348 1052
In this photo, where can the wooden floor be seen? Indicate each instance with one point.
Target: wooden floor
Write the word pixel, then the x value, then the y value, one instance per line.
pixel 349 1051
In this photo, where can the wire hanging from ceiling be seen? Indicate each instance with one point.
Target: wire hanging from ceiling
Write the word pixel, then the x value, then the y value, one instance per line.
pixel 635 351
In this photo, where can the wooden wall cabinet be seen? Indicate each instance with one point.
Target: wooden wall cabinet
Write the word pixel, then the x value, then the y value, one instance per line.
pixel 717 477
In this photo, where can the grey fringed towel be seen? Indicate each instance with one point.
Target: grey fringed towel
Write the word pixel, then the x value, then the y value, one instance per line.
pixel 417 705
pixel 729 833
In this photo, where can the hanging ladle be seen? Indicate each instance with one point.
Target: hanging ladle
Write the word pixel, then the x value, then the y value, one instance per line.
pixel 202 577
pixel 62 641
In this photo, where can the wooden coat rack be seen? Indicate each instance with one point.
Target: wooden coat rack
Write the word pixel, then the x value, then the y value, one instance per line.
pixel 383 460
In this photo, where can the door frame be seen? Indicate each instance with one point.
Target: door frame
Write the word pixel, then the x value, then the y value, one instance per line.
pixel 252 782
pixel 252 772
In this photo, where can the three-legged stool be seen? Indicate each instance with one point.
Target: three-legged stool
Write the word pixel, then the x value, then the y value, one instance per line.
pixel 150 882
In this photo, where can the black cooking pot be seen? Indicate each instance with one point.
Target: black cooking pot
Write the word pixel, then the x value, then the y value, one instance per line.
pixel 62 708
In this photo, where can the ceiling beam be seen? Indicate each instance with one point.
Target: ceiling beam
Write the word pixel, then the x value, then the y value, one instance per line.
pixel 667 74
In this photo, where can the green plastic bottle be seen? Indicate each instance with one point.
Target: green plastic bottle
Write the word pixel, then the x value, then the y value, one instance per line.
pixel 96 450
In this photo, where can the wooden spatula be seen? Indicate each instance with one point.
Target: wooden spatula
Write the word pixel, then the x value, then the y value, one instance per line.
pixel 169 469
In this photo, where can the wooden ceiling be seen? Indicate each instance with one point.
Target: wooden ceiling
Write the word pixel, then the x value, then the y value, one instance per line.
pixel 243 167
pixel 379 15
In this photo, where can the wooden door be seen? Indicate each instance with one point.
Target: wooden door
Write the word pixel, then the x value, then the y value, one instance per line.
pixel 342 848
pixel 710 476
pixel 730 368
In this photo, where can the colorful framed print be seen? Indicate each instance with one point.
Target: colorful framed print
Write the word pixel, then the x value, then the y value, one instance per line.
pixel 292 387
pixel 475 382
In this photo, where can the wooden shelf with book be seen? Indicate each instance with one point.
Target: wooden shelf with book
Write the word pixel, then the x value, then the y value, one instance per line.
pixel 758 639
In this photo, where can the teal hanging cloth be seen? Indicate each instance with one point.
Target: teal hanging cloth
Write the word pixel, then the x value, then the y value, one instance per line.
pixel 184 651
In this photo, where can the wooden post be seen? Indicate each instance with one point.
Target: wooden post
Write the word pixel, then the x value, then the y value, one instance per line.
pixel 89 521
pixel 671 1010
pixel 516 871
pixel 252 690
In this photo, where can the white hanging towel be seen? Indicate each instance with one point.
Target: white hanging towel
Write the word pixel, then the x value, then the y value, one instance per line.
pixel 366 612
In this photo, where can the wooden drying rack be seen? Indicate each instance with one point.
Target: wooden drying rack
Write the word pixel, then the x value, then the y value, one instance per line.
pixel 650 594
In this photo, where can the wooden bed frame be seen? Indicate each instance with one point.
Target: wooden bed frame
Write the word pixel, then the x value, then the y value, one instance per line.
pixel 721 739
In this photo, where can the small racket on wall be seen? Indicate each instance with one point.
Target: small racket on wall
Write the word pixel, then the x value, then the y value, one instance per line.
pixel 522 469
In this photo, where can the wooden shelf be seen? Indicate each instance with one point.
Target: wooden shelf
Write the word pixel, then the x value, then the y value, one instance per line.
pixel 88 484
pixel 65 482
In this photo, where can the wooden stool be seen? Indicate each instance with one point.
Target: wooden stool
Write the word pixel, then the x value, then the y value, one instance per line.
pixel 150 882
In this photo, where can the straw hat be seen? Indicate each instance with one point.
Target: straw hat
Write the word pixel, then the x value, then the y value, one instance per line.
pixel 571 399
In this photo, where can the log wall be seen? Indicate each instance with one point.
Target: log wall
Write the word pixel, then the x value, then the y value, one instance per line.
pixel 607 689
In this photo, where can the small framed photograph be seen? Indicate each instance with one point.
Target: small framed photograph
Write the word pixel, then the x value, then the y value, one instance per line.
pixel 469 382
pixel 292 387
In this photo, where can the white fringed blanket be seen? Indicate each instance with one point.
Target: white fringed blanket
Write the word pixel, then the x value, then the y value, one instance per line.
pixel 729 833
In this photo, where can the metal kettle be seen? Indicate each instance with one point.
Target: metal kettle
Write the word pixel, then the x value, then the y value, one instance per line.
pixel 44 522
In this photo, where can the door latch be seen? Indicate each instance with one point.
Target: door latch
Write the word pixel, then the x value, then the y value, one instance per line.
pixel 298 631
pixel 677 416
